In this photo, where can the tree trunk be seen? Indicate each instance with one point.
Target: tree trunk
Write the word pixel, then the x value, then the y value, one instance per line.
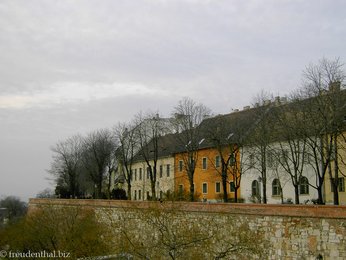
pixel 336 172
pixel 236 194
pixel 99 187
pixel 296 193
pixel 336 193
pixel 264 186
pixel 320 195
pixel 72 186
pixel 153 190
pixel 281 193
pixel 192 188
pixel 224 184
pixel 129 191
pixel 109 185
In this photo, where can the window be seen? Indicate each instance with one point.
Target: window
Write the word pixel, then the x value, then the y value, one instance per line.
pixel 180 189
pixel 140 174
pixel 204 163
pixel 303 185
pixel 232 159
pixel 131 174
pixel 148 195
pixel 135 174
pixel 168 169
pixel 205 188
pixel 139 194
pixel 148 172
pixel 217 187
pixel 231 186
pixel 135 195
pixel 181 165
pixel 161 171
pixel 276 189
pixel 161 194
pixel 341 184
pixel 217 161
pixel 307 158
pixel 255 188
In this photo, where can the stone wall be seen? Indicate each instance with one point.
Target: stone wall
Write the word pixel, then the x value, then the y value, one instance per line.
pixel 289 231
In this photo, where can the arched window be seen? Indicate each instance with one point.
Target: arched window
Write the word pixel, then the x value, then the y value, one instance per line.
pixel 276 189
pixel 303 185
pixel 255 188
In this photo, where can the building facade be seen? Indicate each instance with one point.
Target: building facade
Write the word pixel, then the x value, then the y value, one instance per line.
pixel 207 177
pixel 141 184
pixel 279 178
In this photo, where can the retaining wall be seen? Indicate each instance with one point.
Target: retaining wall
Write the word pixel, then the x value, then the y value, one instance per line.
pixel 290 231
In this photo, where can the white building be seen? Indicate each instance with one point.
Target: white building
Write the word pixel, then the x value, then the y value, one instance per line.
pixel 279 185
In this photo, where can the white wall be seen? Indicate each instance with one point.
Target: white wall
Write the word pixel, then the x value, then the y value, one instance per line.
pixel 275 172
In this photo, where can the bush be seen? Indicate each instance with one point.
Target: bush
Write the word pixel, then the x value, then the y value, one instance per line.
pixel 14 206
pixel 119 194
pixel 69 229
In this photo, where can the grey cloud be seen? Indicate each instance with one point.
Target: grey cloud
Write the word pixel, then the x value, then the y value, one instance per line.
pixel 218 52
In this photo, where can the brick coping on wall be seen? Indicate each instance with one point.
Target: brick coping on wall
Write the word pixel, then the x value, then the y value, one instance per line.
pixel 308 211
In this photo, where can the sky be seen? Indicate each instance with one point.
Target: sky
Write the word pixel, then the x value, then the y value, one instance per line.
pixel 73 66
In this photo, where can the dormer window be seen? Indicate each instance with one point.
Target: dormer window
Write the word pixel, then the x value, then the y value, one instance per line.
pixel 230 135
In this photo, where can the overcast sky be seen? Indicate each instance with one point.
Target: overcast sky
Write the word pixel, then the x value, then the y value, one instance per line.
pixel 70 67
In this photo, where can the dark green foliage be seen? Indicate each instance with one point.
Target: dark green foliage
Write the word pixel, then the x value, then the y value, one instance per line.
pixel 119 194
pixel 15 207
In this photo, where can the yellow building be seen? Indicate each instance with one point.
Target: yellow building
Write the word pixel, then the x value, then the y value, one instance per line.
pixel 207 176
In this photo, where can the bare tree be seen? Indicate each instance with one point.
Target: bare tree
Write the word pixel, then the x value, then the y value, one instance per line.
pixel 148 130
pixel 66 166
pixel 261 137
pixel 188 115
pixel 229 134
pixel 326 104
pixel 318 143
pixel 98 156
pixel 15 208
pixel 291 149
pixel 128 146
